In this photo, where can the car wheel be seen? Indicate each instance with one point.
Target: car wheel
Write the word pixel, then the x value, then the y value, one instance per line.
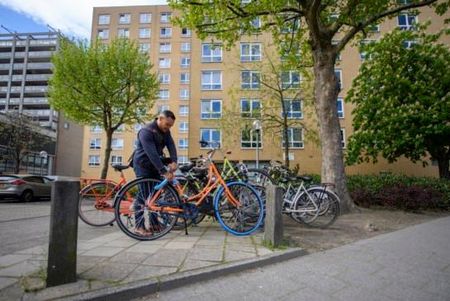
pixel 27 196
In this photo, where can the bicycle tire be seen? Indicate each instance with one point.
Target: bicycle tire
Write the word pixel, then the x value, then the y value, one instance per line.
pixel 128 205
pixel 190 192
pixel 96 204
pixel 259 177
pixel 245 219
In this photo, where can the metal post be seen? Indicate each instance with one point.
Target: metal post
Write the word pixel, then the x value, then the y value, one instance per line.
pixel 62 248
pixel 257 148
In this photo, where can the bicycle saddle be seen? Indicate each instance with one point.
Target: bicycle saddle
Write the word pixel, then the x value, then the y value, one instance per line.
pixel 304 178
pixel 187 167
pixel 119 167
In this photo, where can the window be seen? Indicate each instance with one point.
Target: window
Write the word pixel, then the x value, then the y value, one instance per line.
pixel 250 108
pixel 137 127
pixel 96 129
pixel 183 160
pixel 117 143
pixel 338 74
pixel 340 107
pixel 103 34
pixel 103 19
pixel 186 47
pixel 295 138
pixel 184 94
pixel 145 18
pixel 293 108
pixel 165 47
pixel 184 77
pixel 406 21
pixel 124 18
pixel 211 109
pixel 374 27
pixel 338 56
pixel 290 26
pixel 409 44
pixel 144 47
pixel 343 138
pixel 164 94
pixel 183 111
pixel 183 127
pixel 121 128
pixel 186 32
pixel 162 108
pixel 362 49
pixel 289 49
pixel 250 79
pixel 116 159
pixel 211 80
pixel 211 53
pixel 256 23
pixel 164 78
pixel 251 139
pixel 250 52
pixel 144 33
pixel 210 135
pixel 185 62
pixel 164 62
pixel 123 32
pixel 165 17
pixel 183 143
pixel 95 143
pixel 94 160
pixel 166 32
pixel 290 79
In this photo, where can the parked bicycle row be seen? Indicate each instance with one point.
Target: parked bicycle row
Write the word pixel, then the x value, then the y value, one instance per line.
pixel 233 194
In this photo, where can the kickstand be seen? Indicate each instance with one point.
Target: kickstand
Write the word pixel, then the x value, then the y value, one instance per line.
pixel 185 226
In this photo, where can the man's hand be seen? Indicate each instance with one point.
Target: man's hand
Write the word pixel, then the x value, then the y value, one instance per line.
pixel 168 175
pixel 173 167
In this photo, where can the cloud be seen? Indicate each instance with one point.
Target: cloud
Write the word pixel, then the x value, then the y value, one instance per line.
pixel 73 18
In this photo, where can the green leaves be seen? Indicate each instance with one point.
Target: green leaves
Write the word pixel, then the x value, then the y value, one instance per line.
pixel 402 100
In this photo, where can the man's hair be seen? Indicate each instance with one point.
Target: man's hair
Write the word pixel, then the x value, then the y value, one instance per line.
pixel 167 114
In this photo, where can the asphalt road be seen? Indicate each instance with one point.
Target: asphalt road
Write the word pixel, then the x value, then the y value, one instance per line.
pixel 26 225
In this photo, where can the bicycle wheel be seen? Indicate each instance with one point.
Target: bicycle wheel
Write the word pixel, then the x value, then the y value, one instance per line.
pixel 305 207
pixel 189 190
pixel 329 208
pixel 241 220
pixel 133 214
pixel 96 204
pixel 259 177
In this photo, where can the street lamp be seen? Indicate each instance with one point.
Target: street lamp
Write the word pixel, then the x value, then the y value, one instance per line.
pixel 43 155
pixel 256 126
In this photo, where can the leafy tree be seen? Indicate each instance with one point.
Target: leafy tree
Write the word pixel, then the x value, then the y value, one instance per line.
pixel 316 25
pixel 402 101
pixel 20 134
pixel 107 85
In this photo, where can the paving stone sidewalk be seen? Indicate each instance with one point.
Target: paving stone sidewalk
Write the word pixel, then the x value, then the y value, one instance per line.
pixel 114 260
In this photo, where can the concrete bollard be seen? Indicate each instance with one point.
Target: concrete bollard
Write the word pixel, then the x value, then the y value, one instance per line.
pixel 273 225
pixel 62 248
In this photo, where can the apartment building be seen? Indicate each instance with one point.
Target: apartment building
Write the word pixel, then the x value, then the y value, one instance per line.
pixel 202 83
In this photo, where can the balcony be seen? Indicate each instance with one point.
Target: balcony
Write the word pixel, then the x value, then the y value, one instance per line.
pixel 36 89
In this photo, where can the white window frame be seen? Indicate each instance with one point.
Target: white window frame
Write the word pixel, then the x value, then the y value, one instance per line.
pixel 123 33
pixel 183 143
pixel 210 113
pixel 210 84
pixel 185 62
pixel 117 143
pixel 254 141
pixel 145 18
pixel 211 130
pixel 103 34
pixel 187 77
pixel 291 114
pixel 164 78
pixel 297 144
pixel 215 53
pixel 165 17
pixel 96 129
pixel 408 25
pixel 115 159
pixel 164 62
pixel 183 160
pixel 145 32
pixel 186 47
pixel 183 127
pixel 165 32
pixel 162 108
pixel 291 84
pixel 340 81
pixel 165 47
pixel 124 18
pixel 253 113
pixel 164 94
pixel 94 160
pixel 144 47
pixel 95 143
pixel 252 84
pixel 186 32
pixel 340 112
pixel 184 93
pixel 183 110
pixel 248 55
pixel 104 19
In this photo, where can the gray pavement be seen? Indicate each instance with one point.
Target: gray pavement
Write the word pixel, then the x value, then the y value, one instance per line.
pixel 409 264
pixel 114 263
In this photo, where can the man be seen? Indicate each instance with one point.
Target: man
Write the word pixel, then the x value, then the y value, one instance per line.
pixel 149 162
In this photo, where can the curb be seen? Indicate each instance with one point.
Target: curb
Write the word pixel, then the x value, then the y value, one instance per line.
pixel 147 287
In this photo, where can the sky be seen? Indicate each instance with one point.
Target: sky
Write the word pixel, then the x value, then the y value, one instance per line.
pixel 72 18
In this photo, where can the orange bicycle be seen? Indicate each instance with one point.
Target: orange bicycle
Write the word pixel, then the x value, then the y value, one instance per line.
pixel 96 201
pixel 236 205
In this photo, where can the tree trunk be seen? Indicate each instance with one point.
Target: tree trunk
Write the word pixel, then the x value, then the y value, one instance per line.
pixel 285 136
pixel 109 134
pixel 326 92
pixel 444 168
